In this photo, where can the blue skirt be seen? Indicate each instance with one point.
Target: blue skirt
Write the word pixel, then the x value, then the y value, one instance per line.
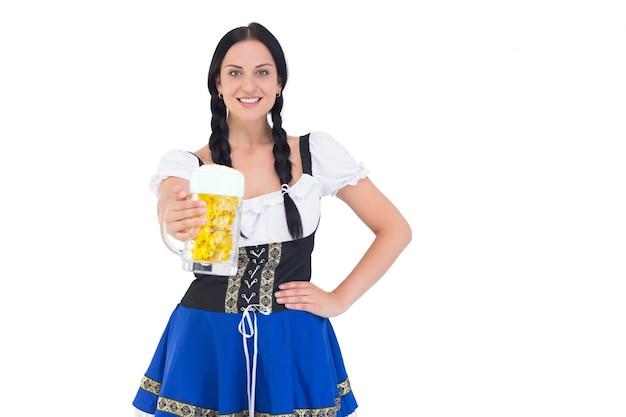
pixel 288 364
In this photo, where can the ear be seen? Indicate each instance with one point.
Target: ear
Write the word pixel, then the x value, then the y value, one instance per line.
pixel 218 83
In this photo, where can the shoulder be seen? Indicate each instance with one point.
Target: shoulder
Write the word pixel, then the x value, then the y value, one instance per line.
pixel 177 156
pixel 323 145
pixel 174 163
pixel 322 139
pixel 177 163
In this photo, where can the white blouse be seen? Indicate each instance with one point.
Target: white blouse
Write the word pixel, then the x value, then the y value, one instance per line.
pixel 263 217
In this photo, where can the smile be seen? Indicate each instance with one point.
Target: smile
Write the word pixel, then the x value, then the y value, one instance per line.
pixel 249 100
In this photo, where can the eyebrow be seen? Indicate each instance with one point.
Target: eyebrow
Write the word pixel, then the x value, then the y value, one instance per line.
pixel 239 66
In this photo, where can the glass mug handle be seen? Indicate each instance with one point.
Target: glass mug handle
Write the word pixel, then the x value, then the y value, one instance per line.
pixel 168 243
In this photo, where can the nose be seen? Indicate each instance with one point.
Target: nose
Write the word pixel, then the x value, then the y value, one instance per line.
pixel 247 84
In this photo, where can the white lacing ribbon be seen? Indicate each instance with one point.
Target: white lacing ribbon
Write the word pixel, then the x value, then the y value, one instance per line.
pixel 248 328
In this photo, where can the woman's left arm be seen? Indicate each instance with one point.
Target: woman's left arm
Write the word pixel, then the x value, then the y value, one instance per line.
pixel 392 235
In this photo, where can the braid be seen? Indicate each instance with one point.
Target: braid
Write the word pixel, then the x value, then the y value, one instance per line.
pixel 282 165
pixel 218 142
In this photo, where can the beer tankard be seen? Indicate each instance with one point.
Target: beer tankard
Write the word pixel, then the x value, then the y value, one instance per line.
pixel 215 250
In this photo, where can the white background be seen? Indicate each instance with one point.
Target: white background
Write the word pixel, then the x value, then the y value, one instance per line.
pixel 497 127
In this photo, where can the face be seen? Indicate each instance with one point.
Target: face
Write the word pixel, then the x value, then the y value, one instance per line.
pixel 248 81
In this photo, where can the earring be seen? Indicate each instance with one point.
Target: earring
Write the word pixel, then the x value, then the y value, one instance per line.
pixel 220 96
pixel 277 95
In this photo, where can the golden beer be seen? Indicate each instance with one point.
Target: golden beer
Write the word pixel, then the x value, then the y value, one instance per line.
pixel 214 243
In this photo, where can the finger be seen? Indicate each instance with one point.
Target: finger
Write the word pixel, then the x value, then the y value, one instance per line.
pixel 192 223
pixel 183 229
pixel 180 205
pixel 194 211
pixel 294 299
pixel 181 210
pixel 300 306
pixel 186 235
pixel 292 293
pixel 293 285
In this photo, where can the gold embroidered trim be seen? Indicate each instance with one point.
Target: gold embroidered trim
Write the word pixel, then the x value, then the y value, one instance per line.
pixel 344 387
pixel 234 283
pixel 267 275
pixel 182 409
pixel 150 385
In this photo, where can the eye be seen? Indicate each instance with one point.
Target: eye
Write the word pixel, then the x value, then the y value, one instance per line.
pixel 263 72
pixel 234 73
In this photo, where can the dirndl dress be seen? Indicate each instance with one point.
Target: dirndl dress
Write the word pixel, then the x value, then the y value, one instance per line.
pixel 230 350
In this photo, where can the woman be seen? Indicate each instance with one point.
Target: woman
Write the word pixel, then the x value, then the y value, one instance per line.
pixel 223 351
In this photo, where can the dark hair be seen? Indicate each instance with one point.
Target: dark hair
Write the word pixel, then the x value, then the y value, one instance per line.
pixel 218 142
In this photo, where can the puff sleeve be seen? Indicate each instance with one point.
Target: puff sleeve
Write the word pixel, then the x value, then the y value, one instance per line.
pixel 333 166
pixel 175 163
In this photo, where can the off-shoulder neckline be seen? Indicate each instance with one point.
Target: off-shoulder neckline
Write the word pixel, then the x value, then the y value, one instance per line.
pixel 299 190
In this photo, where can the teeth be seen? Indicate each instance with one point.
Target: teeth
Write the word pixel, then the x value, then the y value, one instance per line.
pixel 249 100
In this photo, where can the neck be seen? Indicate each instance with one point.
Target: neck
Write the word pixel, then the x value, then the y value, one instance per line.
pixel 249 134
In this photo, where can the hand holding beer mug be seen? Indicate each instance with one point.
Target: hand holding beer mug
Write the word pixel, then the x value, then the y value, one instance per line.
pixel 215 250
